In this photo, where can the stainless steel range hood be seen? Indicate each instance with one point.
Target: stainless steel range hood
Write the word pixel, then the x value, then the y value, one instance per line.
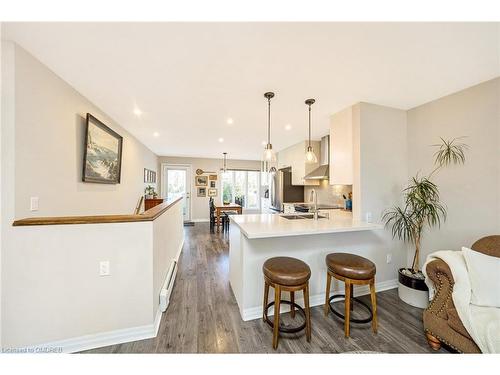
pixel 323 171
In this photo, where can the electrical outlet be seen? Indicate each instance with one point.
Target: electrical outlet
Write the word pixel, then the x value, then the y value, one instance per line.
pixel 34 204
pixel 389 258
pixel 368 217
pixel 104 268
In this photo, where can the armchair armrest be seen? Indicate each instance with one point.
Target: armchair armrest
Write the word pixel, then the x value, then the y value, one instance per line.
pixel 440 274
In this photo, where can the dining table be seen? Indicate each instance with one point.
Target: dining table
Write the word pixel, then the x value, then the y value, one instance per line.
pixel 219 208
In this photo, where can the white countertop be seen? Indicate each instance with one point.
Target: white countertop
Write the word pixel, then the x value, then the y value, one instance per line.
pixel 273 225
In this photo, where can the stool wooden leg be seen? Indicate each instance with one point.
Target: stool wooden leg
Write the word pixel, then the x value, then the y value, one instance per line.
pixel 266 300
pixel 292 307
pixel 327 294
pixel 347 304
pixel 374 305
pixel 352 296
pixel 277 297
pixel 308 312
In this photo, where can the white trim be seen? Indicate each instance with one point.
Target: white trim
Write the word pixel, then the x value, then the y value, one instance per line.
pixel 200 220
pixel 318 299
pixel 98 340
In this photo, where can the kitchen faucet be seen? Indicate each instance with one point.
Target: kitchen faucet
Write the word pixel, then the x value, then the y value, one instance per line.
pixel 314 197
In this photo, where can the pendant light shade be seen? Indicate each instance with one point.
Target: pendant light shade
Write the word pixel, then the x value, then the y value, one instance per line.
pixel 269 155
pixel 310 155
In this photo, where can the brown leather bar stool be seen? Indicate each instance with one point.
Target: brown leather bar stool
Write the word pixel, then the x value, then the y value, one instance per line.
pixel 352 270
pixel 286 274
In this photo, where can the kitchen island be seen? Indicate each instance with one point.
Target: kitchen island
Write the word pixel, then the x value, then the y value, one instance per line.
pixel 255 238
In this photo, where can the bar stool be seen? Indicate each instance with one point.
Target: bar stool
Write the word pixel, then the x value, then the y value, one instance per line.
pixel 352 270
pixel 286 274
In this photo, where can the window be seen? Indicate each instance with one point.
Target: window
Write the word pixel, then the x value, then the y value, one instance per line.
pixel 242 187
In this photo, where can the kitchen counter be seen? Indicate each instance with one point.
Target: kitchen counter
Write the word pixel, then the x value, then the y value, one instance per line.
pixel 255 238
pixel 269 225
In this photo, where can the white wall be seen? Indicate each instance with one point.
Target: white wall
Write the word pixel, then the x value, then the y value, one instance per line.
pixel 1 112
pixel 49 139
pixel 471 192
pixel 381 170
pixel 55 296
pixel 199 205
pixel 379 173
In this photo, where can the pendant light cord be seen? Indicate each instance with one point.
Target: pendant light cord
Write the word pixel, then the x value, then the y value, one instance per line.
pixel 268 120
pixel 309 126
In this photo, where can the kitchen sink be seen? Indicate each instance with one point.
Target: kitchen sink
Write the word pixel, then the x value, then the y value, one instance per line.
pixel 301 217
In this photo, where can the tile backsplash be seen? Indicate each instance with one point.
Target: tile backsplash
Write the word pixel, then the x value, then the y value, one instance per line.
pixel 328 194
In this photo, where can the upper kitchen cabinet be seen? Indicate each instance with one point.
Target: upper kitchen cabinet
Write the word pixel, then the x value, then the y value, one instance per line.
pixel 341 146
pixel 294 157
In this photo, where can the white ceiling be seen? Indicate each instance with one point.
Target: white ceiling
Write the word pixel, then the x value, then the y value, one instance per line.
pixel 188 78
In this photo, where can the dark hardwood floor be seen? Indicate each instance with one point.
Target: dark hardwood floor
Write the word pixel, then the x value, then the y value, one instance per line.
pixel 203 316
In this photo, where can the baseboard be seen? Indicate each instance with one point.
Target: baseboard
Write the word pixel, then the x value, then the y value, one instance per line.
pixel 200 220
pixel 98 340
pixel 319 299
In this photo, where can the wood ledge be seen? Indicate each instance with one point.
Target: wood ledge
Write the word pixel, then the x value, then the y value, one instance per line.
pixel 148 215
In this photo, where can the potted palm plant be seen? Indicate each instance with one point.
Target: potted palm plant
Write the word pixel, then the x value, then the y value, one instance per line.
pixel 422 208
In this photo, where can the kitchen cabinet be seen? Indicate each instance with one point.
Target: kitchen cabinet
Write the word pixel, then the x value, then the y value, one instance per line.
pixel 294 157
pixel 342 126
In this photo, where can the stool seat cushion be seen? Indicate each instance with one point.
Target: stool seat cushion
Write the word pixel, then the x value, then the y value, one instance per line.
pixel 286 271
pixel 350 266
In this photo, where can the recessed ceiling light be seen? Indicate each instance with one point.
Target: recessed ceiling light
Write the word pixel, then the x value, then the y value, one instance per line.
pixel 156 134
pixel 264 143
pixel 221 140
pixel 229 121
pixel 137 112
pixel 288 127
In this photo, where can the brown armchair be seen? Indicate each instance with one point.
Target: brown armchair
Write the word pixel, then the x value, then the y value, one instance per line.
pixel 442 324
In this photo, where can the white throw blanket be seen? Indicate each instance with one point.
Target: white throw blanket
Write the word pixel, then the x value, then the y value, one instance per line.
pixel 482 323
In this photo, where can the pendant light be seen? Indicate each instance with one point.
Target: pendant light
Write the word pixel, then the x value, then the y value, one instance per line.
pixel 310 155
pixel 224 166
pixel 269 155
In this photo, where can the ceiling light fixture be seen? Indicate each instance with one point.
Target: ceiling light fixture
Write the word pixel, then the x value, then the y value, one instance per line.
pixel 137 112
pixel 156 134
pixel 269 155
pixel 310 155
pixel 221 140
pixel 229 121
pixel 288 127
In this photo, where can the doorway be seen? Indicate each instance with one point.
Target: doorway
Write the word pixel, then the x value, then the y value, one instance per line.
pixel 176 182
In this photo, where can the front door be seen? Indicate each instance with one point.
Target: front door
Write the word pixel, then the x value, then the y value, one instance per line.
pixel 177 183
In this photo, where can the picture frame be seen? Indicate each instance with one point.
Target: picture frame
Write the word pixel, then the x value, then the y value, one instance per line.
pixel 212 177
pixel 149 176
pixel 202 192
pixel 213 184
pixel 102 155
pixel 201 180
pixel 212 192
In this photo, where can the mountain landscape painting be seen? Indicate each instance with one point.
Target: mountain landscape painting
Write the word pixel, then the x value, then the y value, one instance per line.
pixel 102 155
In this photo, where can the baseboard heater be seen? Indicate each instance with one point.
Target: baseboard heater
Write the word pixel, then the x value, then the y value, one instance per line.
pixel 168 285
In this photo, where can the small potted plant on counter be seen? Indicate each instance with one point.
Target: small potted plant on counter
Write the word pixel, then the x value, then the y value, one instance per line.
pixel 150 192
pixel 422 207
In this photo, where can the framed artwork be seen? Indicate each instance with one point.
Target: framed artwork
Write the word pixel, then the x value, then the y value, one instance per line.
pixel 102 155
pixel 212 184
pixel 149 176
pixel 201 180
pixel 202 192
pixel 212 192
pixel 212 177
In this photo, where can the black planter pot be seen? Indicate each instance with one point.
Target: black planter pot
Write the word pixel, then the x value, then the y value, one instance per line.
pixel 412 291
pixel 411 282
